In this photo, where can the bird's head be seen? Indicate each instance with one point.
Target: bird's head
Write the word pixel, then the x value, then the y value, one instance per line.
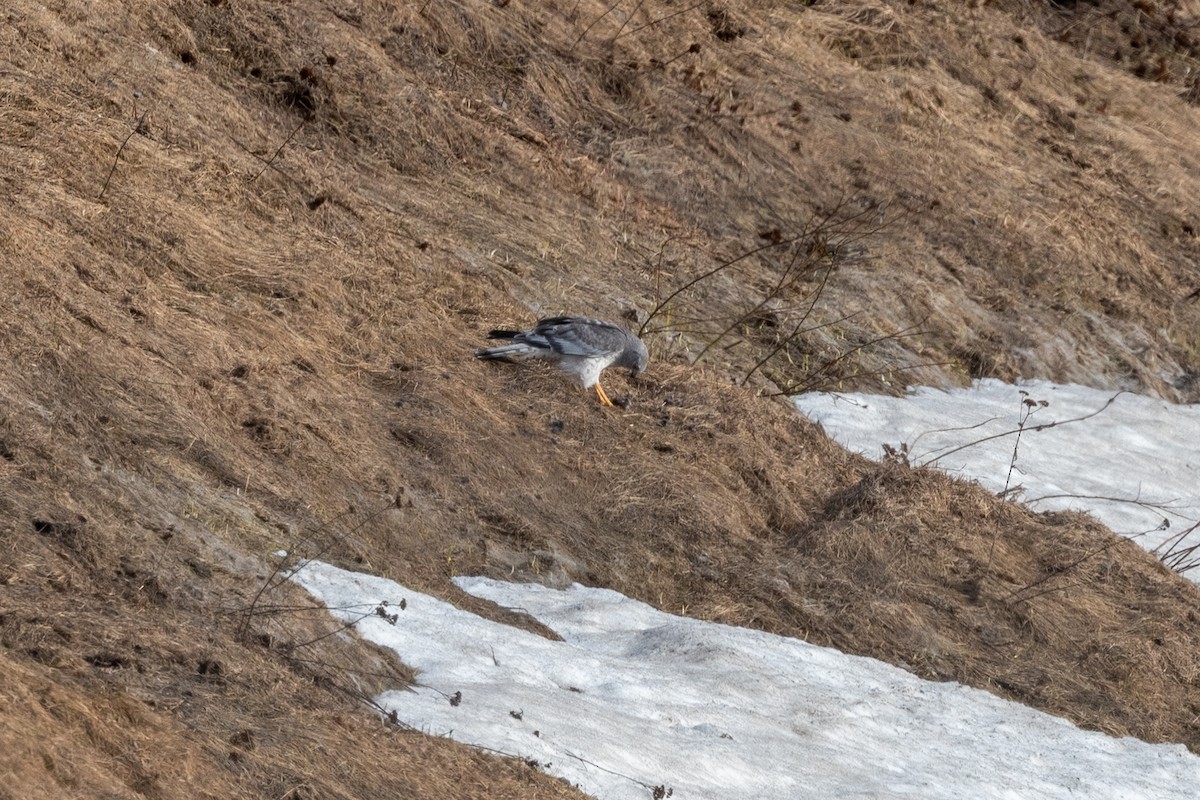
pixel 636 357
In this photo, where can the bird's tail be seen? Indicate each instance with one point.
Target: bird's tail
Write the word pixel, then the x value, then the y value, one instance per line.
pixel 505 352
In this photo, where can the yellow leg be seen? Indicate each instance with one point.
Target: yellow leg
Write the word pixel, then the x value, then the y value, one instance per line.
pixel 604 401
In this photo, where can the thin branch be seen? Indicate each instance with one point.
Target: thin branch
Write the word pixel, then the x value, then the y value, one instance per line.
pixel 1107 545
pixel 610 772
pixel 375 612
pixel 923 434
pixel 792 391
pixel 120 150
pixel 1164 506
pixel 706 275
pixel 279 149
pixel 816 296
pixel 593 23
pixel 767 298
pixel 267 610
pixel 663 18
pixel 1027 411
pixel 1045 426
pixel 270 583
pixel 628 17
pixel 828 365
pixel 1175 556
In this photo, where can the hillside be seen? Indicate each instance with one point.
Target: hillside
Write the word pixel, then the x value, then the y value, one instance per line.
pixel 249 247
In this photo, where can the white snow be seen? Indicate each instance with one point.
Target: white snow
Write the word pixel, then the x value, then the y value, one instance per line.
pixel 633 699
pixel 1142 451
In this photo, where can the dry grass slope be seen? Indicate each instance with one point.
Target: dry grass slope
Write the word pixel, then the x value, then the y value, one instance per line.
pixel 249 247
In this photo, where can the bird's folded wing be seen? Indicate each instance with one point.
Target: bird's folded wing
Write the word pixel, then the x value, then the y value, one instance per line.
pixel 578 337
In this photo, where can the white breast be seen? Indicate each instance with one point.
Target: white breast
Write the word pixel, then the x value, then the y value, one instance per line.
pixel 586 368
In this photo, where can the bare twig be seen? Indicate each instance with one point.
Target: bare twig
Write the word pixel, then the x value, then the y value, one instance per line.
pixel 628 17
pixel 662 304
pixel 593 24
pixel 1064 570
pixel 271 583
pixel 279 149
pixel 813 254
pixel 1029 407
pixel 663 18
pixel 120 150
pixel 1165 506
pixel 692 48
pixel 792 391
pixel 1179 558
pixel 1014 431
pixel 767 298
pixel 611 772
pixel 816 296
pixel 833 362
pixel 377 610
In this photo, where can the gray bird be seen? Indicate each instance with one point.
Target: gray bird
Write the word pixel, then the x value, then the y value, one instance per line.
pixel 581 346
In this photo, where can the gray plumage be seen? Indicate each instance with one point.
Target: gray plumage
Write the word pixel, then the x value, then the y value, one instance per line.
pixel 581 346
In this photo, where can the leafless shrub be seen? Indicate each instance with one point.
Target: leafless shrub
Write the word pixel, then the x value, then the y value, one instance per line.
pixel 766 300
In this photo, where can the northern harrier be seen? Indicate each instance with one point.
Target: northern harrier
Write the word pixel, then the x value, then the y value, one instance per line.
pixel 581 346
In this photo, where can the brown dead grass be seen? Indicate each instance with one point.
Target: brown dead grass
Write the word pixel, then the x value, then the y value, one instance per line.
pixel 249 248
